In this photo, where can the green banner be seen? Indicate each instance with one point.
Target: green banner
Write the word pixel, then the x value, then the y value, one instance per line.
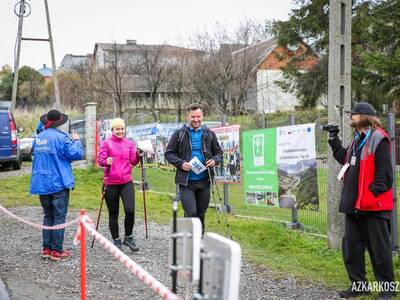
pixel 260 168
pixel 280 168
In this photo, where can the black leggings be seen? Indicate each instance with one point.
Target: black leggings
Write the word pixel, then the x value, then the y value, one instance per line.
pixel 195 199
pixel 112 194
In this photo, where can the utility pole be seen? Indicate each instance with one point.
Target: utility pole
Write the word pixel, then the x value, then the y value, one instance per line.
pixel 24 11
pixel 53 61
pixel 227 206
pixel 339 100
pixel 21 15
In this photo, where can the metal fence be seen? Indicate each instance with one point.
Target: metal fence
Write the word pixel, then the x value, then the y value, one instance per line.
pixel 308 220
pixel 312 221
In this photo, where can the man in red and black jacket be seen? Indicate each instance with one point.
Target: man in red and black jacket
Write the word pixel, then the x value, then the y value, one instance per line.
pixel 366 201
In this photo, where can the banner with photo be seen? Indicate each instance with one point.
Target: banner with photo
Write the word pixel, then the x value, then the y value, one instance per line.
pixel 228 138
pixel 279 167
pixel 156 134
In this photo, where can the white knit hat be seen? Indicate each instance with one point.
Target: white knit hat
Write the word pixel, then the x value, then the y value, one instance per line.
pixel 117 122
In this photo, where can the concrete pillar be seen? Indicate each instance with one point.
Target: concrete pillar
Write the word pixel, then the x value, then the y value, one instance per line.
pixel 90 129
pixel 339 100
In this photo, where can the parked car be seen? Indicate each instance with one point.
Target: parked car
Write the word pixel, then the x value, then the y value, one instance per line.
pixel 9 142
pixel 25 146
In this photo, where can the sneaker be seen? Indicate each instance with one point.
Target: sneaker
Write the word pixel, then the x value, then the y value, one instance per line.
pixel 118 243
pixel 57 255
pixel 130 242
pixel 46 253
pixel 350 293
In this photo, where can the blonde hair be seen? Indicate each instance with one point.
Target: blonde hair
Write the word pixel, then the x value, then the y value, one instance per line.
pixel 117 122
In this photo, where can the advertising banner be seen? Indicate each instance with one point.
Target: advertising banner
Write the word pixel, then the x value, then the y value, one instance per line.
pixel 228 138
pixel 280 167
pixel 259 167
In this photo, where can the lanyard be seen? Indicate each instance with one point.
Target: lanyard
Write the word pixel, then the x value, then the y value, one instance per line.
pixel 362 143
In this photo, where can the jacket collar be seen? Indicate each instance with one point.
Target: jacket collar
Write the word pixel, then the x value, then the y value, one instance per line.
pixel 115 139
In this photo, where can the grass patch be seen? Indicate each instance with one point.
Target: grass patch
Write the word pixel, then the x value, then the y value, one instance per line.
pixel 267 244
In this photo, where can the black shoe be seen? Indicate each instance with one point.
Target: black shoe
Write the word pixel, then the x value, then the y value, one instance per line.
pixel 130 242
pixel 350 293
pixel 385 295
pixel 118 243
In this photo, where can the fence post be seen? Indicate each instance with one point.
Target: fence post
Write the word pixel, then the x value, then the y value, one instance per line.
pixel 90 130
pixel 393 218
pixel 294 224
pixel 83 256
pixel 226 207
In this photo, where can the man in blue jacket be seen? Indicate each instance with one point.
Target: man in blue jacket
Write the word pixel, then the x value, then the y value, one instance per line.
pixel 52 178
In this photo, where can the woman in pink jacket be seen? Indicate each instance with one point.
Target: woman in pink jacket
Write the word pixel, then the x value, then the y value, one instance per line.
pixel 117 156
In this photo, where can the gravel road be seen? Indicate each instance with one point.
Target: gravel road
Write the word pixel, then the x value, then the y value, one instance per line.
pixel 27 276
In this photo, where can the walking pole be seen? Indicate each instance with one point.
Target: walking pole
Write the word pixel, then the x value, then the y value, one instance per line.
pixel 144 195
pixel 103 193
pixel 101 207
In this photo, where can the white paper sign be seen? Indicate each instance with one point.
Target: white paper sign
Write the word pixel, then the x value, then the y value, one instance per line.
pixel 197 165
pixel 146 146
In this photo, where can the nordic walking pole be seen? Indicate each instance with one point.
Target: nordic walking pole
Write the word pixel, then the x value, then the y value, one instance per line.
pixel 103 193
pixel 101 207
pixel 144 195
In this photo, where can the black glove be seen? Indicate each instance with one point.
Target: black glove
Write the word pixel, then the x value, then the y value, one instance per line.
pixel 332 129
pixel 333 134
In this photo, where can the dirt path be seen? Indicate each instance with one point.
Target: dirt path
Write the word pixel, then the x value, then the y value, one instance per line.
pixel 27 276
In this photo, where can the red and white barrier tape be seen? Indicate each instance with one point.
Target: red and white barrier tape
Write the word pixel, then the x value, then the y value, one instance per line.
pixel 39 226
pixel 132 266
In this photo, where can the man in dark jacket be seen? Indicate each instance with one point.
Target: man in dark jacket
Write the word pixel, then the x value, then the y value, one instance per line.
pixel 366 201
pixel 194 150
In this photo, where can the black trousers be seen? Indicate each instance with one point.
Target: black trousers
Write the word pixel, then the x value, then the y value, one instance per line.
pixel 112 194
pixel 195 199
pixel 371 234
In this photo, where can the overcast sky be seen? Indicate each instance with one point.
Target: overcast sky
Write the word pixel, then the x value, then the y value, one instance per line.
pixel 78 24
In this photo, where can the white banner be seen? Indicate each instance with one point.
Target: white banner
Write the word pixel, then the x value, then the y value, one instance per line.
pixel 228 138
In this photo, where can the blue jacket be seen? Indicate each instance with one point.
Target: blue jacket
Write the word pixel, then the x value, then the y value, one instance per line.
pixel 51 168
pixel 196 137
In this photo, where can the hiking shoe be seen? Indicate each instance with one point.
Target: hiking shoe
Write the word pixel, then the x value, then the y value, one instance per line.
pixel 118 243
pixel 46 253
pixel 350 293
pixel 130 242
pixel 57 255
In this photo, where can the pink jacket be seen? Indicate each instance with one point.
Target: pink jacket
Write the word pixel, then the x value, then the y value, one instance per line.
pixel 125 156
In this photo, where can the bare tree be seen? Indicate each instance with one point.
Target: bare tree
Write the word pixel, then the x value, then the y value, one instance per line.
pixel 154 71
pixel 112 79
pixel 226 72
pixel 178 78
pixel 249 33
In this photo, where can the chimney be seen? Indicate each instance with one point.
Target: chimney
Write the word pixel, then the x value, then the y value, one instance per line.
pixel 131 42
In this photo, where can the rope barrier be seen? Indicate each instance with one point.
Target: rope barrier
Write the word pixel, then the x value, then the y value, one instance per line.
pixel 39 226
pixel 86 223
pixel 128 263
